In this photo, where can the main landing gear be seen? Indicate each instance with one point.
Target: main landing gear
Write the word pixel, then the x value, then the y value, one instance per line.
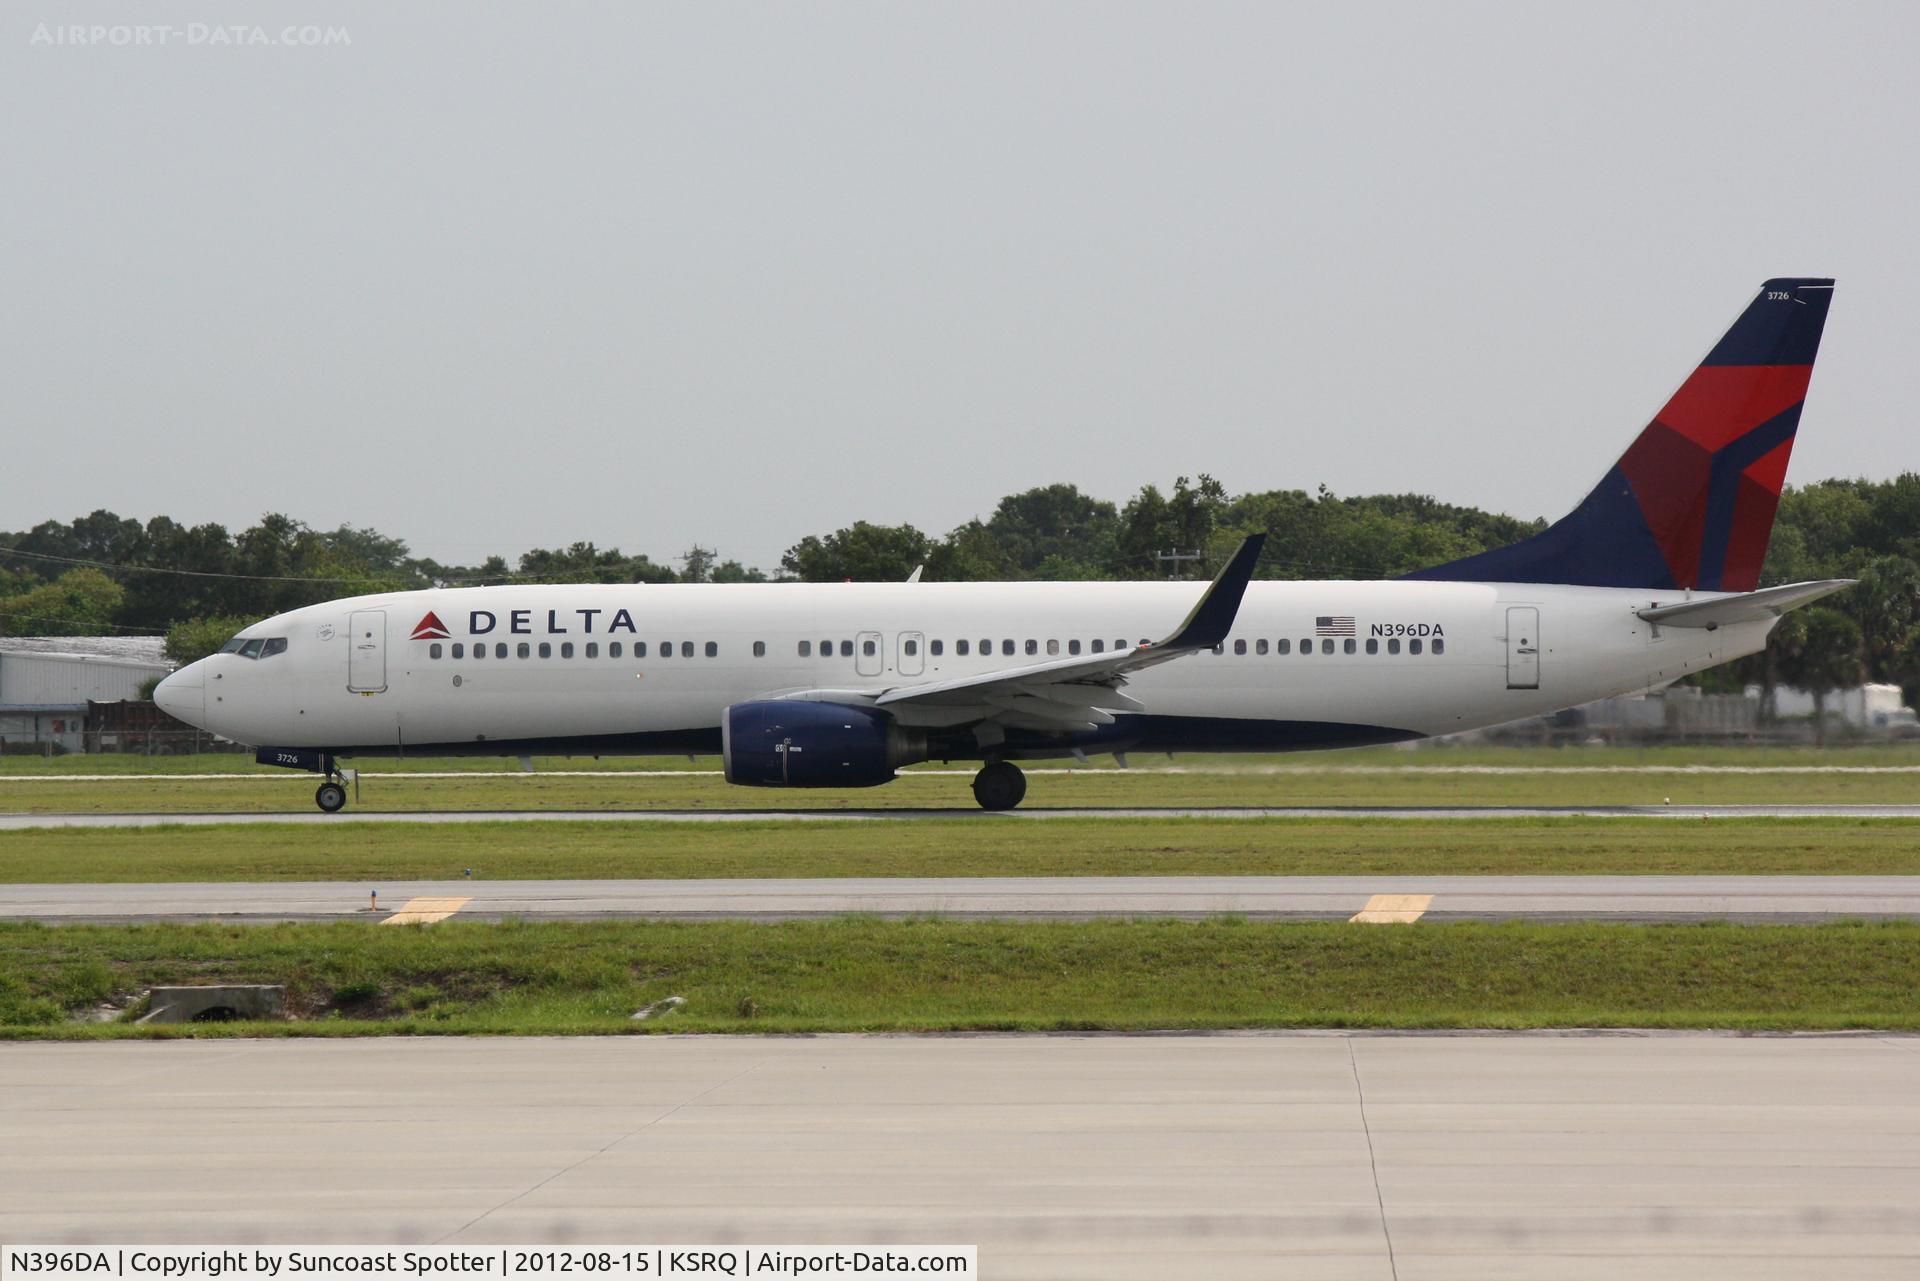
pixel 999 786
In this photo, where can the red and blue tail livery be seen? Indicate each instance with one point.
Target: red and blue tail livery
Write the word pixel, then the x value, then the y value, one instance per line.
pixel 1691 503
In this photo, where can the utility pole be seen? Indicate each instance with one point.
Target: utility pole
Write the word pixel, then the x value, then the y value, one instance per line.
pixel 1173 558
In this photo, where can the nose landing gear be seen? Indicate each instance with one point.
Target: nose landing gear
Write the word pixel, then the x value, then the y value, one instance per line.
pixel 999 785
pixel 331 797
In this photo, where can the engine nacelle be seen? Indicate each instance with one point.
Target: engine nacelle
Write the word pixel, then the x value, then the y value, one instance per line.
pixel 777 743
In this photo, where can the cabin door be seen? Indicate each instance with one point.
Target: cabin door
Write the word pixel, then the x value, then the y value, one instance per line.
pixel 1523 647
pixel 367 651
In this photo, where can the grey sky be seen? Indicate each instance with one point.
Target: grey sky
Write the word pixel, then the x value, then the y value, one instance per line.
pixel 489 278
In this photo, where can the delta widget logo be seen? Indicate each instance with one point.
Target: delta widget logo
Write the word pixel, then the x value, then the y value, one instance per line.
pixel 430 628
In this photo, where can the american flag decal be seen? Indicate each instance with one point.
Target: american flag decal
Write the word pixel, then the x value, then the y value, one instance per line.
pixel 1333 625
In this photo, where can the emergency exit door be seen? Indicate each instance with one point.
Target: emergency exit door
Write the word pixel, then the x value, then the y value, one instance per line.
pixel 912 658
pixel 1523 647
pixel 367 651
pixel 867 658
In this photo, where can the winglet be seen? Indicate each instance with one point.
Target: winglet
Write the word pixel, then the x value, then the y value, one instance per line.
pixel 1213 617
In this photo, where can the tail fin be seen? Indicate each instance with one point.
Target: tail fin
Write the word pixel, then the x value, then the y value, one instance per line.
pixel 1691 503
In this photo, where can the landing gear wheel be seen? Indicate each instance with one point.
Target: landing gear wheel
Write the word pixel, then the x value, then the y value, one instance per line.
pixel 330 797
pixel 999 786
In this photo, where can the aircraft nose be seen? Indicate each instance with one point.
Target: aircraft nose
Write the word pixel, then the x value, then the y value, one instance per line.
pixel 183 695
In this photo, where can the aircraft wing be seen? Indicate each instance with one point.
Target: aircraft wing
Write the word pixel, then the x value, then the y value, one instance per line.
pixel 1748 607
pixel 1066 694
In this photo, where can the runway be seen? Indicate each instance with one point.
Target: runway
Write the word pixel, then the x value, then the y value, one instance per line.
pixel 1759 899
pixel 1293 1155
pixel 22 822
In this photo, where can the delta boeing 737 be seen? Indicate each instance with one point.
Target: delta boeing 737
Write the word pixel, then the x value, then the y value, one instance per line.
pixel 1652 577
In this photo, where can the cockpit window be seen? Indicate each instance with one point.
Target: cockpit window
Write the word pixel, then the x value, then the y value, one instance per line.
pixel 256 646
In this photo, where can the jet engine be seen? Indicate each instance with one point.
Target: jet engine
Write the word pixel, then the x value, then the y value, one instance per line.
pixel 777 743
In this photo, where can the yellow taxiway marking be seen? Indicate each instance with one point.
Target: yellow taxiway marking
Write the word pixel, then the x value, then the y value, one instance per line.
pixel 425 911
pixel 1394 909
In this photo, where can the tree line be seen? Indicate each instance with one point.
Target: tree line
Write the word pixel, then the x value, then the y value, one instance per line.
pixel 106 574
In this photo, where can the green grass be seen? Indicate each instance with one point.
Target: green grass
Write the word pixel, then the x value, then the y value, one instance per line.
pixel 868 975
pixel 1359 778
pixel 1053 788
pixel 960 847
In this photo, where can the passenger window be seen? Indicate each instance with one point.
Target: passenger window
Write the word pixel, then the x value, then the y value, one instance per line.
pixel 639 649
pixel 592 650
pixel 1006 648
pixel 806 649
pixel 1033 647
pixel 459 650
pixel 1326 645
pixel 1240 648
pixel 278 645
pixel 686 649
pixel 500 649
pixel 1439 646
pixel 566 649
pixel 1393 646
pixel 666 649
pixel 1260 646
pixel 1053 648
pixel 713 649
pixel 759 649
pixel 479 651
pixel 1283 647
pixel 252 648
pixel 1073 647
pixel 1118 646
pixel 1099 646
pixel 869 648
pixel 546 650
pixel 1413 646
pixel 1221 648
pixel 1348 645
pixel 910 647
pixel 433 650
pixel 1306 647
pixel 937 647
pixel 526 651
pixel 846 649
pixel 1373 646
pixel 986 648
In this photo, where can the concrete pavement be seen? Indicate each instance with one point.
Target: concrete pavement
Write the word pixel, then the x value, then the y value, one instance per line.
pixel 1775 899
pixel 1291 1155
pixel 21 822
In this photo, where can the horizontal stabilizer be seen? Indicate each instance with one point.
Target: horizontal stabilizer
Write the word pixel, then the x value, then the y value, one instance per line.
pixel 1749 607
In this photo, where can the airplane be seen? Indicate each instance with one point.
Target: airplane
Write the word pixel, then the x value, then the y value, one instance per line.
pixel 1652 577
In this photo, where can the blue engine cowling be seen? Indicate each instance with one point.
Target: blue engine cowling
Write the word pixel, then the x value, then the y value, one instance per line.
pixel 776 743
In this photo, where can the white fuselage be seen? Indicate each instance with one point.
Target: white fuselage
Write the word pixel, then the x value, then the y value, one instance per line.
pixel 352 678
